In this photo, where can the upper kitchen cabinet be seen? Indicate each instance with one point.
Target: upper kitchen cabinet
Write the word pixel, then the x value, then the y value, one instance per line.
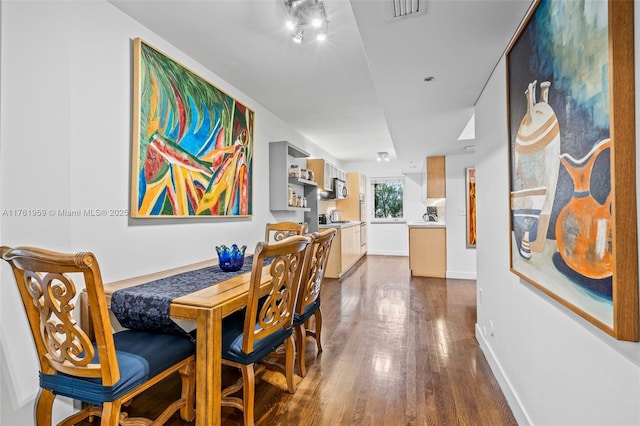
pixel 324 173
pixel 435 177
pixel 283 155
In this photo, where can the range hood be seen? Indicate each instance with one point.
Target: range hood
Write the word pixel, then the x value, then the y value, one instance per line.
pixel 339 192
pixel 326 195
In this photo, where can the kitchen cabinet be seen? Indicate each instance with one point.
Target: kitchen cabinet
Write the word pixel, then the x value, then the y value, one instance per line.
pixel 428 251
pixel 435 177
pixel 353 209
pixel 345 250
pixel 324 173
pixel 350 206
pixel 282 155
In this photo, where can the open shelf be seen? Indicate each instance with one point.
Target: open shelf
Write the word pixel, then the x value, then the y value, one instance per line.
pixel 281 155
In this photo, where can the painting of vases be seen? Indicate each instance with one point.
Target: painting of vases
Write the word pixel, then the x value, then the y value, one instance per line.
pixel 537 158
pixel 583 228
pixel 526 208
pixel 572 170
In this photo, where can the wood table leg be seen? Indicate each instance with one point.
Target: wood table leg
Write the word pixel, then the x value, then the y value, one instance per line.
pixel 209 367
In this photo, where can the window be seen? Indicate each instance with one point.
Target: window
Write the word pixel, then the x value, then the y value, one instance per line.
pixel 387 199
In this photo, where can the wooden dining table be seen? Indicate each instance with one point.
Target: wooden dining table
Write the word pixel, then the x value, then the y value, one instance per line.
pixel 206 308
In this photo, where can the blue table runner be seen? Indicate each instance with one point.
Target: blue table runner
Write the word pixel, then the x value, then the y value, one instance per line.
pixel 146 306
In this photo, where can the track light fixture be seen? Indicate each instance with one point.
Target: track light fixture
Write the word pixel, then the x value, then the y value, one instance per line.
pixel 307 15
pixel 383 156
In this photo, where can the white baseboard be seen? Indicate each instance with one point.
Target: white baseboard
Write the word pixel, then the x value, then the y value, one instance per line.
pixel 387 253
pixel 460 275
pixel 505 384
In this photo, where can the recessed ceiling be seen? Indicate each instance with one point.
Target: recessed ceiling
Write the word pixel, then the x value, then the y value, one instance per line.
pixel 362 90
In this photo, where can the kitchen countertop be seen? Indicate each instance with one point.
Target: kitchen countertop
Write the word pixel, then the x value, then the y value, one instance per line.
pixel 340 225
pixel 423 224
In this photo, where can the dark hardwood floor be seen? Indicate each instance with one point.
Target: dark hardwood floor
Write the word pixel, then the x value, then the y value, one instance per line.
pixel 398 350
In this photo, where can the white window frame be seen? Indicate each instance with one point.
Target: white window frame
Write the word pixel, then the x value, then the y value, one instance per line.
pixel 388 180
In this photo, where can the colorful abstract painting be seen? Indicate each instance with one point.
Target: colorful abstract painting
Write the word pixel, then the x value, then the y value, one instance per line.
pixel 192 143
pixel 567 98
pixel 470 180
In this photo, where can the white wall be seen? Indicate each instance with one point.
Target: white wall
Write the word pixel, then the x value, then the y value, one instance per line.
pixel 393 238
pixel 461 261
pixel 554 367
pixel 66 143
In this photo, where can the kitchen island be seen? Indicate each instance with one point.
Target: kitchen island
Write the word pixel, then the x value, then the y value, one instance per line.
pixel 345 248
pixel 428 249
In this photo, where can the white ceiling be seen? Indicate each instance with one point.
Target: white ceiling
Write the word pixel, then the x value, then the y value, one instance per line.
pixel 362 90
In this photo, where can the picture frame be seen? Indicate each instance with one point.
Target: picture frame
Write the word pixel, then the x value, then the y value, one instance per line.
pixel 572 159
pixel 470 192
pixel 192 144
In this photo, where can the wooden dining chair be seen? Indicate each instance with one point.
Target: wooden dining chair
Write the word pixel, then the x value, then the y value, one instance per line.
pixel 280 230
pixel 107 373
pixel 250 335
pixel 308 302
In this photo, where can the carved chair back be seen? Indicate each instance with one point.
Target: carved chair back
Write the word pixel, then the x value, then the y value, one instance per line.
pixel 281 230
pixel 275 310
pixel 48 293
pixel 314 270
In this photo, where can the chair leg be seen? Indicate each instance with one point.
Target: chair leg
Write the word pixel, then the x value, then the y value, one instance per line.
pixel 187 374
pixel 301 349
pixel 111 413
pixel 248 392
pixel 44 407
pixel 318 315
pixel 290 355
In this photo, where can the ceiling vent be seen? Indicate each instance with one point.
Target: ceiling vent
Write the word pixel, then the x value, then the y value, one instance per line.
pixel 400 9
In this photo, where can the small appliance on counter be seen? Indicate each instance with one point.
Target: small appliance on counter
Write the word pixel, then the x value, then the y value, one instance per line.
pixel 431 215
pixel 336 216
pixel 322 219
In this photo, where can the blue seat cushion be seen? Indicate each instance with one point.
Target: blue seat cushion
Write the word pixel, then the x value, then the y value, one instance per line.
pixel 308 311
pixel 232 335
pixel 141 356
